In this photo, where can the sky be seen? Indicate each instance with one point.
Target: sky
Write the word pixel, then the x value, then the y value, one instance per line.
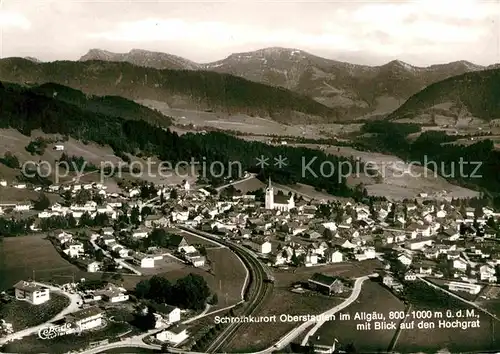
pixel 365 32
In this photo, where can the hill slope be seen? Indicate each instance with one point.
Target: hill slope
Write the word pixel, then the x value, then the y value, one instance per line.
pixel 178 88
pixel 376 89
pixel 114 106
pixel 476 92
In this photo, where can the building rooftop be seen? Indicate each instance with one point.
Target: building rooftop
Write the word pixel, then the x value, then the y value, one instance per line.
pixel 28 286
pixel 85 313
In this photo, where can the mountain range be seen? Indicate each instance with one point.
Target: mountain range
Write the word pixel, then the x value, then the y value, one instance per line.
pixel 367 89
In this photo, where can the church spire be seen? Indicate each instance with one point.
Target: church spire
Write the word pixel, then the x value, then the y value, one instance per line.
pixel 269 185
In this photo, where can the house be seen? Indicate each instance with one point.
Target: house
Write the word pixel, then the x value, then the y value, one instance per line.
pixel 74 249
pixel 335 257
pixel 470 288
pixel 31 292
pixel 153 221
pixel 143 260
pixel 319 345
pixel 405 260
pixel 460 264
pixel 311 258
pixel 174 335
pixel 108 231
pixel 195 259
pixel 326 284
pixel 93 267
pixel 22 207
pixel 260 246
pixel 113 294
pixel 170 313
pixel 86 319
pixel 140 233
pixel 177 241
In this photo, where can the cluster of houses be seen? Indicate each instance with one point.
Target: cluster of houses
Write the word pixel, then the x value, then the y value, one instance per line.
pixel 90 316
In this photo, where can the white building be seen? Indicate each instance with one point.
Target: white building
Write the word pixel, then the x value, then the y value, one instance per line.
pixel 143 260
pixel 260 246
pixel 74 250
pixel 405 260
pixel 336 257
pixel 470 288
pixel 31 292
pixel 278 202
pixel 86 319
pixel 174 335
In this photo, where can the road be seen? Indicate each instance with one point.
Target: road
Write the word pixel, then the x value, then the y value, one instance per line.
pixel 354 295
pixel 458 297
pixel 74 305
pixel 119 261
pixel 252 175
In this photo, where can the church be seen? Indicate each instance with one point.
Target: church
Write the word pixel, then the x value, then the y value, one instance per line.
pixel 279 202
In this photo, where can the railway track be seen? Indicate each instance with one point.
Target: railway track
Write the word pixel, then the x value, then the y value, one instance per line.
pixel 257 289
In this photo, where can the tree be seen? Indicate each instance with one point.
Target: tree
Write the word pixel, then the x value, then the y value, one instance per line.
pixel 42 202
pixel 214 300
pixel 10 160
pixel 142 289
pixel 174 194
pixel 99 255
pixel 350 349
pixel 83 196
pixel 135 216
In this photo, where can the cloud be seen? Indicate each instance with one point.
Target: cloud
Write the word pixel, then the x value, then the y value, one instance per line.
pixel 9 19
pixel 430 30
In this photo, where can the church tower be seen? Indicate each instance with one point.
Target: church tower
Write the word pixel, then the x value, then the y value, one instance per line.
pixel 269 196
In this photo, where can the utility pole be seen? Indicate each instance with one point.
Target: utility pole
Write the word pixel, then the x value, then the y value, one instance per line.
pixel 34 275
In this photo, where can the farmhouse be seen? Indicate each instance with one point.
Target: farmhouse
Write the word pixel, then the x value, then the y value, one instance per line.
pixel 175 335
pixel 86 319
pixel 326 284
pixel 31 292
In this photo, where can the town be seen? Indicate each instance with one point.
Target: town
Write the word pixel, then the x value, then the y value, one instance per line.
pixel 146 229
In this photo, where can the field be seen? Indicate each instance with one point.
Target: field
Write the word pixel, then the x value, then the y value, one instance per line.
pixel 13 141
pixel 282 301
pixel 64 344
pixel 194 240
pixel 27 256
pixel 443 307
pixel 226 277
pixel 399 179
pixel 484 338
pixel 130 350
pixel 22 314
pixel 373 298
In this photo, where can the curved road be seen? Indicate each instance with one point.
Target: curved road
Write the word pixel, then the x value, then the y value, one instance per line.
pixel 354 295
pixel 74 305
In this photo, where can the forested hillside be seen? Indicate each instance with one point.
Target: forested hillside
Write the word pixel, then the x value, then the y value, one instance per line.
pixel 478 92
pixel 26 110
pixel 182 88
